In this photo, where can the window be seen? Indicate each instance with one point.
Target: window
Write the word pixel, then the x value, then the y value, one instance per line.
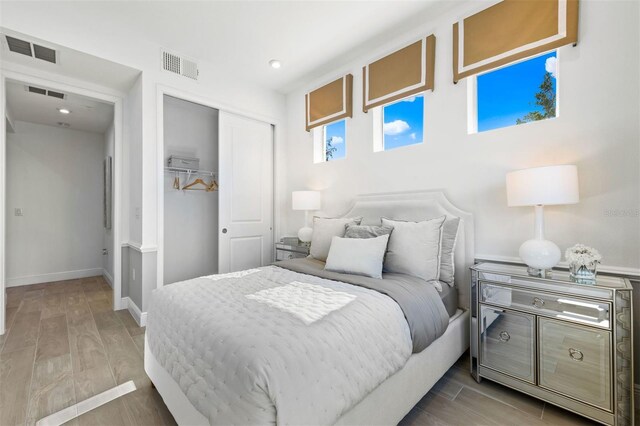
pixel 330 141
pixel 516 94
pixel 402 123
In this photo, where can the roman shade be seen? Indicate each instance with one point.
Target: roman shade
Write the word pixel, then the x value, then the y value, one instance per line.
pixel 329 103
pixel 403 73
pixel 511 30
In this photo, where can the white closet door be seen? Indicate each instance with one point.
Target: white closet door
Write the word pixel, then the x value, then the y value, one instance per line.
pixel 246 193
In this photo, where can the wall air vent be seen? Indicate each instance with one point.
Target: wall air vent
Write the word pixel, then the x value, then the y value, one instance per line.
pixel 45 92
pixel 32 50
pixel 178 65
pixel 19 46
pixel 44 53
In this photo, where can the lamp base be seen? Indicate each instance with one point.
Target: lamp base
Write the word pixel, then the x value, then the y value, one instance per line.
pixel 304 234
pixel 540 256
pixel 540 273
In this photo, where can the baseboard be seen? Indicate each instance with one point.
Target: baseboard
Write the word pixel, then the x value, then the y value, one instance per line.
pixel 107 276
pixel 55 276
pixel 631 273
pixel 134 310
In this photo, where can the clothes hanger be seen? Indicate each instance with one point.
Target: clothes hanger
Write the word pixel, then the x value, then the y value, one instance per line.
pixel 198 181
pixel 213 186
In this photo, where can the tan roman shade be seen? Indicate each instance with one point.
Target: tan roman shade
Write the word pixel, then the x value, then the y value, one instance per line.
pixel 511 30
pixel 330 102
pixel 403 73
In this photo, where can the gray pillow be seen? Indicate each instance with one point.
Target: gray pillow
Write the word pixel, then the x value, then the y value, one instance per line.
pixel 324 229
pixel 367 231
pixel 414 248
pixel 447 250
pixel 358 256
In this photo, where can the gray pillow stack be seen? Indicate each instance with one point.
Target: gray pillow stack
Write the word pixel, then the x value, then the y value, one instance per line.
pixel 367 231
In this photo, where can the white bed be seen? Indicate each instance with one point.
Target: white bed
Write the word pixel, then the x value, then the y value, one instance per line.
pixel 393 398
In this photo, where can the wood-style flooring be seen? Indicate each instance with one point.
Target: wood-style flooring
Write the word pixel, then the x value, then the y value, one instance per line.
pixel 65 344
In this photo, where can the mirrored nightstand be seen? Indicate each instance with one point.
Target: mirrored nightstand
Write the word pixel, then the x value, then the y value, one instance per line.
pixel 566 343
pixel 285 251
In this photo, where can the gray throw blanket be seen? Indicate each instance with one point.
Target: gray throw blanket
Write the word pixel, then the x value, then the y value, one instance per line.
pixel 422 307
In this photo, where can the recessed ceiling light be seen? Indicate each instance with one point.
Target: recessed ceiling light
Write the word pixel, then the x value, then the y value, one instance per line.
pixel 64 111
pixel 275 63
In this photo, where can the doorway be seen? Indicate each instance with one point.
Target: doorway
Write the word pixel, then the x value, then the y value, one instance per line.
pixel 61 149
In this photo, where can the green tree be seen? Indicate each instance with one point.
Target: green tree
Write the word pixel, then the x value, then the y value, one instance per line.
pixel 546 99
pixel 329 149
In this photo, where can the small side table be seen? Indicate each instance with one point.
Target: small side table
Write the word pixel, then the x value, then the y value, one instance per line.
pixel 291 251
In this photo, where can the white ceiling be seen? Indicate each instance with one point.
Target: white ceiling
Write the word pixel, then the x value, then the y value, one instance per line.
pixel 309 37
pixel 86 114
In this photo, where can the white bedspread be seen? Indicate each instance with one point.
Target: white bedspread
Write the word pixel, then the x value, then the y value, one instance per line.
pixel 240 357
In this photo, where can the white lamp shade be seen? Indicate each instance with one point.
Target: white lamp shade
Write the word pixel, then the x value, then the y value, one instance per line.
pixel 543 186
pixel 305 200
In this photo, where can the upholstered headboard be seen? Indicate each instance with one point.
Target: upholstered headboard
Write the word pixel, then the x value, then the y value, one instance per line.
pixel 418 206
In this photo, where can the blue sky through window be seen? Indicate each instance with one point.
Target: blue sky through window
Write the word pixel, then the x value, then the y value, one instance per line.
pixel 403 122
pixel 336 133
pixel 506 94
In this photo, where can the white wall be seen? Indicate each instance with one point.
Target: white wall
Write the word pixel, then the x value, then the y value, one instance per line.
pixel 55 176
pixel 107 238
pixel 597 129
pixel 190 217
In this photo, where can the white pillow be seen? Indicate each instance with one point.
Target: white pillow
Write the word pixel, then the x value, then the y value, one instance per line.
pixel 414 248
pixel 358 256
pixel 324 229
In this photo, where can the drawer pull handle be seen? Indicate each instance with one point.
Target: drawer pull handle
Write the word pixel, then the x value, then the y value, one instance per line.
pixel 576 355
pixel 504 336
pixel 537 302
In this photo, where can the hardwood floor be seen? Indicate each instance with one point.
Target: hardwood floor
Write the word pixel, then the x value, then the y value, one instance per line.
pixel 65 344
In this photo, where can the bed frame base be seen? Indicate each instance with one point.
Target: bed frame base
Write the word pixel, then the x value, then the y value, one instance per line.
pixel 386 405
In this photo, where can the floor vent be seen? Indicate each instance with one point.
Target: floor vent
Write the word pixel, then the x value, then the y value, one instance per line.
pixel 178 65
pixel 32 50
pixel 45 92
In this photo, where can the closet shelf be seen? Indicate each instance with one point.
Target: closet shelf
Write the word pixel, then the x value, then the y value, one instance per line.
pixel 190 171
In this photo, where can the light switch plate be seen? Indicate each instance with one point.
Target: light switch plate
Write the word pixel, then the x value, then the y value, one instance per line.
pixel 18 211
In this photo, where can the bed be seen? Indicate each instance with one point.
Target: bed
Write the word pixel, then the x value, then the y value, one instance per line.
pixel 374 375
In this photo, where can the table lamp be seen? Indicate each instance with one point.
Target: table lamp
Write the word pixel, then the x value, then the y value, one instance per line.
pixel 305 200
pixel 538 187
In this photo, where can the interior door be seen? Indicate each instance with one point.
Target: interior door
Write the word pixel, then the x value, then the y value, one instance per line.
pixel 246 193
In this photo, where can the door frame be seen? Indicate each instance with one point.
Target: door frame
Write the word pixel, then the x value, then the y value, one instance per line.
pixel 163 90
pixel 79 88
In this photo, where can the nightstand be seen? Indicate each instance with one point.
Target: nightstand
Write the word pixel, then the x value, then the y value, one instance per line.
pixel 291 251
pixel 566 343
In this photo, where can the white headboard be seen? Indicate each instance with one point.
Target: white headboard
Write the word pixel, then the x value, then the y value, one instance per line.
pixel 419 206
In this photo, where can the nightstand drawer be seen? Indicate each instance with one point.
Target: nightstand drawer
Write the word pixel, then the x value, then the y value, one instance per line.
pixel 567 308
pixel 506 339
pixel 575 361
pixel 287 254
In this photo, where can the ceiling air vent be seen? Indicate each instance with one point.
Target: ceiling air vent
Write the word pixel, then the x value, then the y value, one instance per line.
pixel 45 92
pixel 37 90
pixel 55 94
pixel 25 48
pixel 178 65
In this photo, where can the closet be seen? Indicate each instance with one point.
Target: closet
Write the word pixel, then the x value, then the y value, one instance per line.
pixel 218 191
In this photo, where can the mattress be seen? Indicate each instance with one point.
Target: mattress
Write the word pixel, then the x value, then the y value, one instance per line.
pixel 271 345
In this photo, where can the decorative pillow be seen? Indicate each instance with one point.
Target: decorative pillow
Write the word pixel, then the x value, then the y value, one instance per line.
pixel 358 256
pixel 324 229
pixel 414 248
pixel 447 250
pixel 367 231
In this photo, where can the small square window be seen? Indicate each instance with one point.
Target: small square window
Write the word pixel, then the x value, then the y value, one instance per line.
pixel 402 123
pixel 516 94
pixel 330 142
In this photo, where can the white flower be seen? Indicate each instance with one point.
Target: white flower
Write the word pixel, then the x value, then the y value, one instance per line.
pixel 582 255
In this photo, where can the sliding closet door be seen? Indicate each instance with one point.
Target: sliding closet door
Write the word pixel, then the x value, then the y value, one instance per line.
pixel 246 193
